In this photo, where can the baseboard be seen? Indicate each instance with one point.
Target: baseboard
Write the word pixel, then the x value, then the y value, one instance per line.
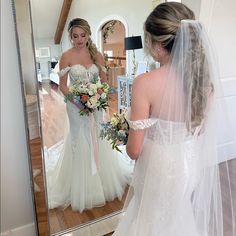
pixel 25 230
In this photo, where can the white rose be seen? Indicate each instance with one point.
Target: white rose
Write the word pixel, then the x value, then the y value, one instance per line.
pixel 91 92
pixel 82 89
pixel 93 88
pixel 92 102
pixel 103 95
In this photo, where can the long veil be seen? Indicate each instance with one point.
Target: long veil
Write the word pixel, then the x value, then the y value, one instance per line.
pixel 179 187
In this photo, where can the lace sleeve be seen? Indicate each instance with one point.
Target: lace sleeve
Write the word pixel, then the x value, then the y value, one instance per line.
pixel 139 124
pixel 63 71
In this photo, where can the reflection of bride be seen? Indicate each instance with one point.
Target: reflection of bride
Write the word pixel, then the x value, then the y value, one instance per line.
pixel 176 189
pixel 88 172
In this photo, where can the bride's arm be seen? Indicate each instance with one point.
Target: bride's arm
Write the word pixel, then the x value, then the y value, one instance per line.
pixel 139 111
pixel 101 62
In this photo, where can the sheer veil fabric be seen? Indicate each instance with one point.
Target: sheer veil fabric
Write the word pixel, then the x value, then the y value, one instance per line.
pixel 176 188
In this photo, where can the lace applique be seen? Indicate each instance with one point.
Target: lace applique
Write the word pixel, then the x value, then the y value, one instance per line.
pixel 139 124
pixel 63 71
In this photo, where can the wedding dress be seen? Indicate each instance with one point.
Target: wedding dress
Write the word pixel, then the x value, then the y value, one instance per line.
pixel 166 172
pixel 177 187
pixel 74 175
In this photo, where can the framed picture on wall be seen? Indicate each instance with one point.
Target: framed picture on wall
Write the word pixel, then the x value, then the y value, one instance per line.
pixel 44 52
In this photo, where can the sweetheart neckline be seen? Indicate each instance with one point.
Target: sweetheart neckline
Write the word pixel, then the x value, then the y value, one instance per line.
pixel 85 67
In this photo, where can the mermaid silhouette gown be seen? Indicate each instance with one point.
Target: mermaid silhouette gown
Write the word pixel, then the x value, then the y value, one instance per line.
pixel 164 178
pixel 77 179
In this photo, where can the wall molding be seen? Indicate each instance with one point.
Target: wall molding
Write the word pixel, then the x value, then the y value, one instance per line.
pixel 25 230
pixel 226 149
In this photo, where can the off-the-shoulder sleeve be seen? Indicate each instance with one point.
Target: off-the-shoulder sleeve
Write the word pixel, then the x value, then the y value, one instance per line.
pixel 103 68
pixel 63 71
pixel 139 124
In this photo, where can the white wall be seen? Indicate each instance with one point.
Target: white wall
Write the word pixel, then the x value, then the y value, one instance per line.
pixel 27 52
pixel 134 13
pixel 194 5
pixel 16 200
pixel 220 20
pixel 95 11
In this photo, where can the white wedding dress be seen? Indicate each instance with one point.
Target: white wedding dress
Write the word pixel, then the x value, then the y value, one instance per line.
pixel 73 175
pixel 166 173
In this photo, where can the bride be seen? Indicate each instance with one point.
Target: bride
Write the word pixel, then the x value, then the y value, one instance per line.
pixel 175 189
pixel 88 172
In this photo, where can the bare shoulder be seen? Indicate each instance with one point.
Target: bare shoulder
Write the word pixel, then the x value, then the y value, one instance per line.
pixel 147 79
pixel 65 59
pixel 149 84
pixel 67 53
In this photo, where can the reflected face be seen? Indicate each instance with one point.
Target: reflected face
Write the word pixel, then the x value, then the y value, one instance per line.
pixel 79 37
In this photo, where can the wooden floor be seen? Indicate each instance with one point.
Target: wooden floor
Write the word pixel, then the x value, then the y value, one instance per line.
pixel 40 200
pixel 64 219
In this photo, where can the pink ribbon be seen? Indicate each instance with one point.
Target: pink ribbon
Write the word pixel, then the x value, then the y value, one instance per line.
pixel 95 152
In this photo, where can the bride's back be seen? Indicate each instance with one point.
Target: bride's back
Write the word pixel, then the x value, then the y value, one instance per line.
pixel 164 94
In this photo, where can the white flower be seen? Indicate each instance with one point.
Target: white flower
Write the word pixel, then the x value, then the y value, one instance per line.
pixel 82 89
pixel 114 121
pixel 91 92
pixel 103 95
pixel 92 102
pixel 93 88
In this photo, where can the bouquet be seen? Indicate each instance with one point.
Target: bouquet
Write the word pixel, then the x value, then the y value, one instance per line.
pixel 116 130
pixel 91 95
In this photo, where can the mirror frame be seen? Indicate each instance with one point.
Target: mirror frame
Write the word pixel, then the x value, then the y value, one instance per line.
pixel 39 223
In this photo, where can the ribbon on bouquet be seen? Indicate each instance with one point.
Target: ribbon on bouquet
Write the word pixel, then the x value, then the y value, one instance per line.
pixel 95 149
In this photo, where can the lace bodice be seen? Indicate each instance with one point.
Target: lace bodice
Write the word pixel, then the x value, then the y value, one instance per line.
pixel 80 72
pixel 161 131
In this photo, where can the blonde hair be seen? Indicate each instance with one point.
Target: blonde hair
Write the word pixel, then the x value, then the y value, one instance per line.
pixel 162 26
pixel 83 24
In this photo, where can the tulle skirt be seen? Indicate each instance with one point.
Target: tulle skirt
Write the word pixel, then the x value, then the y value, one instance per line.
pixel 73 178
pixel 159 198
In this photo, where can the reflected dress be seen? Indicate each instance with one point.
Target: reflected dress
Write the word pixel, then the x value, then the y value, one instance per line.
pixel 75 179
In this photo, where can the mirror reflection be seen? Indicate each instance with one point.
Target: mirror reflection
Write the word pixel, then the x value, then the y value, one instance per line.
pixel 82 171
pixel 85 178
pixel 86 181
pixel 80 190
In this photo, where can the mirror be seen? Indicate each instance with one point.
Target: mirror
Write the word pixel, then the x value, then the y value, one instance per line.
pixel 39 56
pixel 46 108
pixel 36 26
